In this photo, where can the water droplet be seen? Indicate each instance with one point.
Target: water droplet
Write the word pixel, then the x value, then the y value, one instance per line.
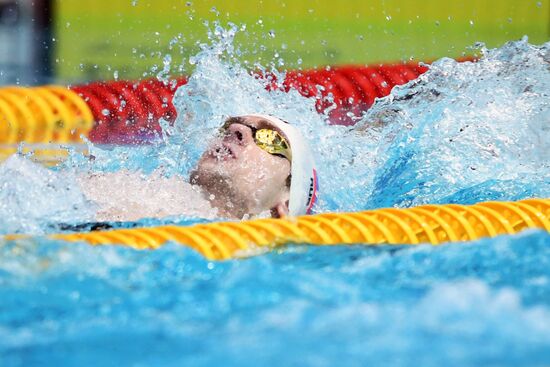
pixel 272 33
pixel 134 2
pixel 105 112
pixel 471 22
pixel 167 60
pixel 539 4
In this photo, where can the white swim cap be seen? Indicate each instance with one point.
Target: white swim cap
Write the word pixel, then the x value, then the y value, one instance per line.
pixel 303 183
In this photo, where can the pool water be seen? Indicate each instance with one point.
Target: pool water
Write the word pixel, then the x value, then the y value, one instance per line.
pixel 461 133
pixel 480 303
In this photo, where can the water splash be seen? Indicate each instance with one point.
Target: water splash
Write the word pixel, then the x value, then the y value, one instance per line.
pixel 461 133
pixel 32 196
pixel 130 196
pixel 466 132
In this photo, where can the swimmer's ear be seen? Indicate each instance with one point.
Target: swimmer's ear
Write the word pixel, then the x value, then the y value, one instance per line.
pixel 280 210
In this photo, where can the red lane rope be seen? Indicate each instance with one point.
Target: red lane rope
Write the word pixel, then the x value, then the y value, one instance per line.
pixel 128 112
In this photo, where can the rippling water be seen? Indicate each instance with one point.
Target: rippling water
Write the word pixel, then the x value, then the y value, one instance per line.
pixel 461 133
pixel 481 303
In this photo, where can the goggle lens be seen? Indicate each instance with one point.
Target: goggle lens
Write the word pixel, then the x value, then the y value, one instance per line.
pixel 268 140
pixel 272 142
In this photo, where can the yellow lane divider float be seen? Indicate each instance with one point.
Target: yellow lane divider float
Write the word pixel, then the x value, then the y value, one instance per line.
pixel 43 118
pixel 433 224
pixel 42 115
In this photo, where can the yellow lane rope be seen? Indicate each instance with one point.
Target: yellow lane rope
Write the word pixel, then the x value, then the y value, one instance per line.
pixel 48 114
pixel 433 224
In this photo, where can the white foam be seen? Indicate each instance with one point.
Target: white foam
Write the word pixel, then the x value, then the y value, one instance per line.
pixel 129 196
pixel 31 195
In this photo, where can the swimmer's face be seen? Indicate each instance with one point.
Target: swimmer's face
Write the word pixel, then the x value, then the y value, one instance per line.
pixel 240 177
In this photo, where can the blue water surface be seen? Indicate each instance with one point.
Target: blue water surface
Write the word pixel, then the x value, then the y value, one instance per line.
pixel 481 303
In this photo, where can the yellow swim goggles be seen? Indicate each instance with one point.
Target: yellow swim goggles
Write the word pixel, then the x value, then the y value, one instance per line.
pixel 272 142
pixel 266 139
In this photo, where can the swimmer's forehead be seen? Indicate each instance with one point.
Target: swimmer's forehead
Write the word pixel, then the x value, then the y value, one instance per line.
pixel 256 122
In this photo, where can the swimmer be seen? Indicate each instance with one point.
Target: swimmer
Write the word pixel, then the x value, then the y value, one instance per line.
pixel 258 166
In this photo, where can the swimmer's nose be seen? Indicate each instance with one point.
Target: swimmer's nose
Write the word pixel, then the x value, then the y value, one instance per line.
pixel 239 133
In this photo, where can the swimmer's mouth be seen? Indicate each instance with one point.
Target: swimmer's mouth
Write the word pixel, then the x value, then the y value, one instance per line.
pixel 223 152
